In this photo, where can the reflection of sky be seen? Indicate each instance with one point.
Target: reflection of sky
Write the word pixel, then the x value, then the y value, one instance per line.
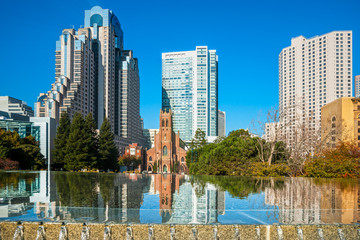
pixel 251 210
pixel 149 210
pixel 29 215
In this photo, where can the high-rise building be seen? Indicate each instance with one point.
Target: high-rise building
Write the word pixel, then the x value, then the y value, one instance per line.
pixel 15 106
pixel 357 86
pixel 190 90
pixel 132 124
pixel 94 74
pixel 149 134
pixel 221 124
pixel 312 73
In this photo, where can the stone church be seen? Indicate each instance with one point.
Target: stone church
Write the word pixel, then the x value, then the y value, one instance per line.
pixel 168 154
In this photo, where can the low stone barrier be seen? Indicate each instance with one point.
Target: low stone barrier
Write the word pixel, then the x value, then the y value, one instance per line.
pixel 69 231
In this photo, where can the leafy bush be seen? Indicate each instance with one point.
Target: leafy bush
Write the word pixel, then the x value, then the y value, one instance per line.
pixel 340 162
pixel 274 170
pixel 8 164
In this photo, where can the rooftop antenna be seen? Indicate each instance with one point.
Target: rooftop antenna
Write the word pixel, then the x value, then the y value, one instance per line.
pixel 81 26
pixel 73 26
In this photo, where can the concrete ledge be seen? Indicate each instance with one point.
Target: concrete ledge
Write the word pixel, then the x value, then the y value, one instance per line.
pixel 70 231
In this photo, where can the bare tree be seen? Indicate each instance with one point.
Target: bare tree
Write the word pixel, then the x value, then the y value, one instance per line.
pixel 296 128
pixel 272 131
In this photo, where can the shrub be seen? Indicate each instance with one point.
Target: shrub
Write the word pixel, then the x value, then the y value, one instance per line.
pixel 340 162
pixel 274 170
pixel 8 164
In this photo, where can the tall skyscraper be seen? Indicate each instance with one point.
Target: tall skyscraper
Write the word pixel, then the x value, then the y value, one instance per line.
pixel 312 73
pixel 357 86
pixel 190 90
pixel 94 74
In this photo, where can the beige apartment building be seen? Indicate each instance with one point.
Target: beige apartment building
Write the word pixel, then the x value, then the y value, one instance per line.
pixel 312 73
pixel 340 121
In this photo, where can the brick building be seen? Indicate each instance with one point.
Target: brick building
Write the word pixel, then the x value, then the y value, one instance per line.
pixel 169 150
pixel 137 151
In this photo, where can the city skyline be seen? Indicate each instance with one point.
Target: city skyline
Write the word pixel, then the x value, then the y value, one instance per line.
pixel 242 88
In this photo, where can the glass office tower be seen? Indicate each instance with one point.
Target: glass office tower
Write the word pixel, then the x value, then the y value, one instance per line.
pixel 189 89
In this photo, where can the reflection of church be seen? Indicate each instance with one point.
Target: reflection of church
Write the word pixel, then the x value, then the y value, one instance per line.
pixel 168 153
pixel 183 202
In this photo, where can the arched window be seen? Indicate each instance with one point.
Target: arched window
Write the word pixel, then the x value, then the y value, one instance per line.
pixel 167 123
pixel 333 122
pixel 182 159
pixel 165 151
pixel 150 159
pixel 163 123
pixel 359 116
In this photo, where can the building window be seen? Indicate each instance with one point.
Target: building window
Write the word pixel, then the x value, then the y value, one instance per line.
pixel 150 159
pixel 165 151
pixel 182 159
pixel 163 123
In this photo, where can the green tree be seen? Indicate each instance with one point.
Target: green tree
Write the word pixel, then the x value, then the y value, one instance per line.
pixel 33 159
pixel 196 144
pixel 91 139
pixel 199 140
pixel 108 152
pixel 25 151
pixel 8 140
pixel 77 149
pixel 131 162
pixel 237 154
pixel 62 135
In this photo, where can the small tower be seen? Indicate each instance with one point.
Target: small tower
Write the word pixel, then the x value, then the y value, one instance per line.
pixel 166 143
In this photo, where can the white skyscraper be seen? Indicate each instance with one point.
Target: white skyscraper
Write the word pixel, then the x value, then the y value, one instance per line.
pixel 189 89
pixel 312 73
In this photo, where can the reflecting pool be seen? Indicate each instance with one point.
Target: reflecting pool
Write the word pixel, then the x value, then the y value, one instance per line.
pixel 175 199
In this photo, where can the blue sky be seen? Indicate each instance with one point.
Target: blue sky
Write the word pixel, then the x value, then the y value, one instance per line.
pixel 248 36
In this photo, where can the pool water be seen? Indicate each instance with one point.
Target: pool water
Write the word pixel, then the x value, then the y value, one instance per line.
pixel 175 199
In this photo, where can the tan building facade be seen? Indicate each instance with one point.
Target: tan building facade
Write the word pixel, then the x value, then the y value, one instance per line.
pixel 340 121
pixel 169 150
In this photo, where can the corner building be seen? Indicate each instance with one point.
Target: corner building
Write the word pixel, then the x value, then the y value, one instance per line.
pixel 169 151
pixel 340 122
pixel 94 74
pixel 312 73
pixel 190 90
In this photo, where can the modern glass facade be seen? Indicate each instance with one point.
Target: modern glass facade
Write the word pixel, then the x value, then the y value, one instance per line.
pixel 24 129
pixel 189 89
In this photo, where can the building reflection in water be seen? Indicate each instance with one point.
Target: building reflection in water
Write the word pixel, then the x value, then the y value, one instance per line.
pixel 314 201
pixel 183 202
pixel 179 199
